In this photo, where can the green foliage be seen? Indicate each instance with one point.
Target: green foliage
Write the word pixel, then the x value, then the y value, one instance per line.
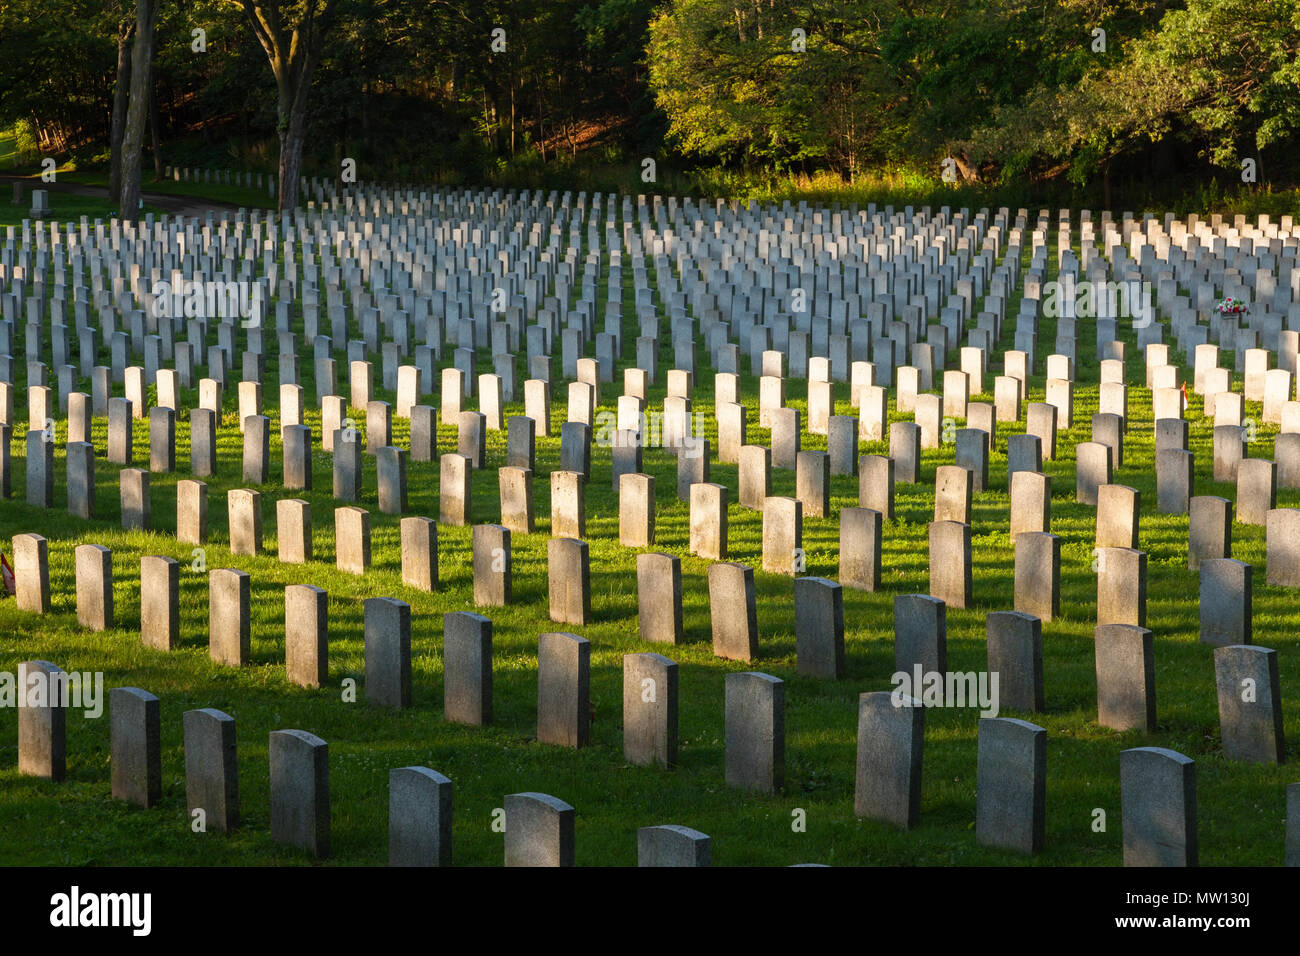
pixel 1217 78
pixel 25 151
pixel 1013 91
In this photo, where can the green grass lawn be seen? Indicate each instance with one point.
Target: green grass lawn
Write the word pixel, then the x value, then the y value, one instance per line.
pixel 238 195
pixel 8 149
pixel 64 207
pixel 1241 807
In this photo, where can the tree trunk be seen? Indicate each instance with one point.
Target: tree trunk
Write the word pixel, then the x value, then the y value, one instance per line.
pixel 146 12
pixel 125 31
pixel 968 172
pixel 293 54
pixel 155 124
pixel 292 129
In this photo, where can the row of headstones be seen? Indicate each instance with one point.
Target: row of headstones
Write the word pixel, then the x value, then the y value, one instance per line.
pixel 818 601
pixel 538 828
pixel 249 180
pixel 1117 520
pixel 1157 786
pixel 161 345
pixel 951 401
pixel 784 423
pixel 1124 646
pixel 1094 471
pixel 616 476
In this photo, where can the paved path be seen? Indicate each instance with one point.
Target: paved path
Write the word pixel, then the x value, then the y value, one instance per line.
pixel 175 205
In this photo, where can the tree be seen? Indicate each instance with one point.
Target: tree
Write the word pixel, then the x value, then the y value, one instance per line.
pixel 778 83
pixel 291 33
pixel 121 93
pixel 137 114
pixel 1219 75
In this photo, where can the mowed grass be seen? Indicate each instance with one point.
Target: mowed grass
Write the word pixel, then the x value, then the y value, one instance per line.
pixel 248 196
pixel 1241 807
pixel 64 208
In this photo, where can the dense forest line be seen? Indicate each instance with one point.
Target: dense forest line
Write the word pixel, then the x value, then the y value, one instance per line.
pixel 1093 99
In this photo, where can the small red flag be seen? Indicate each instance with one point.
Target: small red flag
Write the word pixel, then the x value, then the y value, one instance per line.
pixel 7 573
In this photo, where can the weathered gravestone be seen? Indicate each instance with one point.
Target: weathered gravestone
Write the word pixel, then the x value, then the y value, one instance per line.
pixel 876 485
pixel 1225 603
pixel 733 611
pixel 419 817
pixel 1250 703
pixel 160 586
pixel 244 515
pixel 1118 515
pixel 211 770
pixel 819 627
pixel 755 732
pixel 708 521
pixel 94 585
pixel 905 451
pixel 1282 547
pixel 419 546
pixel 783 536
pixel 492 565
pixel 1093 469
pixel 568 576
pixel 467 668
pixel 137 512
pixel 860 548
pixel 1209 530
pixel 1158 806
pixel 300 791
pixel 387 632
pixel 191 511
pixel 1011 784
pixel 293 530
pixel 352 539
pixel 952 494
pixel 1015 649
pixel 1126 677
pixel 672 846
pixel 950 563
pixel 891 731
pixel 229 595
pixel 650 710
pixel 454 490
pixel 40 469
pixel 1121 586
pixel 42 721
pixel 1031 503
pixel 539 830
pixel 659 598
pixel 1256 490
pixel 135 745
pixel 306 635
pixel 920 634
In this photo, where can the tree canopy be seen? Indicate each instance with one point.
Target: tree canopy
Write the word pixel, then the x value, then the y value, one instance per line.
pixel 1010 90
